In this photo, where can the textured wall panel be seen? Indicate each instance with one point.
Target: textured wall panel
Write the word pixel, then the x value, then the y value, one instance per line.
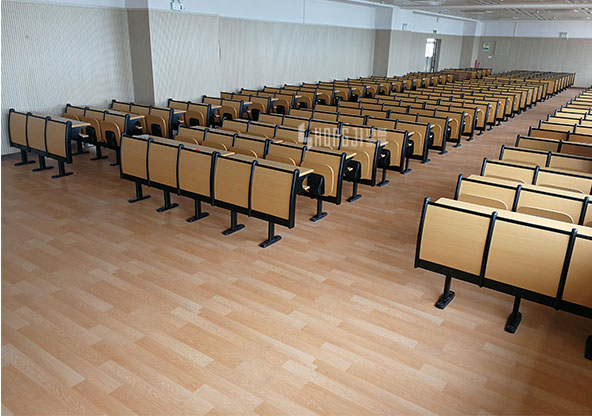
pixel 542 54
pixel 54 54
pixel 255 54
pixel 185 56
pixel 227 54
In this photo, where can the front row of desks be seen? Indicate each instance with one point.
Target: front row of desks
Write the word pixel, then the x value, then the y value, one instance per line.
pixel 242 184
pixel 531 257
pixel 46 136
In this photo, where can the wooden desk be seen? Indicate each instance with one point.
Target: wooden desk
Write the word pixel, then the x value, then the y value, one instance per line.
pixel 215 107
pixel 271 163
pixel 253 137
pixel 196 147
pixel 178 112
pixel 75 123
pixel 123 113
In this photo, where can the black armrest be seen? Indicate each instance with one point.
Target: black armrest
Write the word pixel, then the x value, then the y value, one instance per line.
pixel 316 183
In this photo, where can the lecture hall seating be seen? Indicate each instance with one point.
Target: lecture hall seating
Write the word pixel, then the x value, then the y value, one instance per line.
pixel 241 184
pixel 46 136
pixel 522 227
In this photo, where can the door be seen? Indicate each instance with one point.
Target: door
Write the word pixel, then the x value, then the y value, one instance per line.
pixel 432 54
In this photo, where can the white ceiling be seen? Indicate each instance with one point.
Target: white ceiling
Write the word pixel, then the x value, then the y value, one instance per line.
pixel 501 9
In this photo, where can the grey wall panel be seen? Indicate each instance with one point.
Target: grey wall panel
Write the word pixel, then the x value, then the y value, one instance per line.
pixel 451 51
pixel 382 46
pixel 141 55
pixel 542 54
pixel 466 53
pixel 54 54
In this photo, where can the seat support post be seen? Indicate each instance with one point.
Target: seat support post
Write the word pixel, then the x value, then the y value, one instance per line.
pixel 24 159
pixel 99 151
pixel 406 169
pixel 62 170
pixel 79 149
pixel 117 158
pixel 167 202
pixel 320 214
pixel 515 317
pixel 447 295
pixel 42 165
pixel 588 351
pixel 199 214
pixel 139 194
pixel 272 238
pixel 383 181
pixel 234 226
pixel 355 195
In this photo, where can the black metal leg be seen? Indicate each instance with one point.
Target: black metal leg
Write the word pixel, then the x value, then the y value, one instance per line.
pixel 406 169
pixel 167 202
pixel 271 237
pixel 458 144
pixel 79 149
pixel 320 214
pixel 588 351
pixel 139 194
pixel 24 159
pixel 99 150
pixel 199 214
pixel 447 295
pixel 515 317
pixel 384 181
pixel 355 195
pixel 62 170
pixel 470 139
pixel 234 227
pixel 117 158
pixel 42 165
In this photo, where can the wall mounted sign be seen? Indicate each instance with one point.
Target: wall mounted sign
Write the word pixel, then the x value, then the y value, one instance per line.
pixel 485 47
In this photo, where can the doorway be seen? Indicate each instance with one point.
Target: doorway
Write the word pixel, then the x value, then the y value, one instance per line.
pixel 432 54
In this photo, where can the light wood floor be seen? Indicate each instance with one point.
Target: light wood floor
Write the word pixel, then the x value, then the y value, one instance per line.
pixel 112 308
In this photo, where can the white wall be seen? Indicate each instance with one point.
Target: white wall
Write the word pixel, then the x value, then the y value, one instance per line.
pixel 423 23
pixel 537 29
pixel 322 12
